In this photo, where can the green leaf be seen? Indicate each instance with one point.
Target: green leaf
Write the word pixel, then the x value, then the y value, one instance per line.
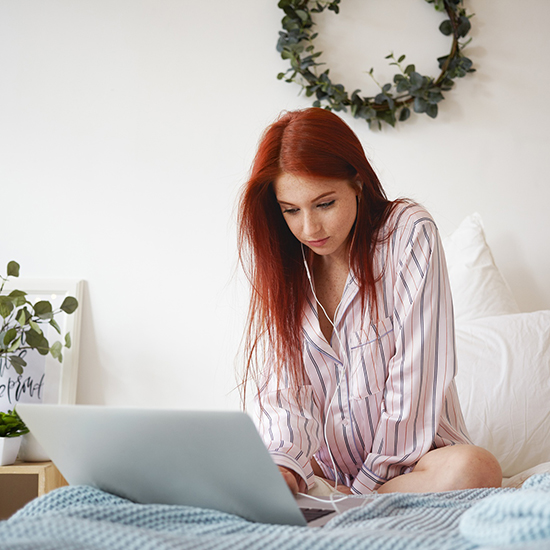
pixel 15 346
pixel 355 98
pixel 35 326
pixel 18 297
pixel 68 342
pixel 380 99
pixel 23 316
pixel 442 60
pixel 55 350
pixel 420 105
pixel 446 84
pixel 417 80
pixel 37 341
pixel 16 360
pixel 446 27
pixel 466 63
pixel 403 85
pixel 10 336
pixel 6 306
pixel 409 69
pixel 13 269
pixel 435 96
pixel 17 363
pixel 389 117
pixel 43 309
pixel 366 112
pixel 54 324
pixel 464 26
pixel 33 337
pixel 401 59
pixel 11 425
pixel 404 114
pixel 431 110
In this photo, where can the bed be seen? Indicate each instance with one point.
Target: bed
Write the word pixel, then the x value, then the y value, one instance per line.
pixel 504 386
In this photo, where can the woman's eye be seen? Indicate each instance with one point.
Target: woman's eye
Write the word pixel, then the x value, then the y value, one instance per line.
pixel 326 204
pixel 290 211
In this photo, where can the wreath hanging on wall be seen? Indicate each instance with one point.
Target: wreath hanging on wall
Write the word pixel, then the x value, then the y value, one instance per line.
pixel 410 91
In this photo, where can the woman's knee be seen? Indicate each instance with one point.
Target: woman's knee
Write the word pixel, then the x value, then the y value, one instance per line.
pixel 490 472
pixel 474 467
pixel 462 467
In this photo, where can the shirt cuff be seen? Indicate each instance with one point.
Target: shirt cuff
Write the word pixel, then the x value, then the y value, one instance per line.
pixel 366 482
pixel 305 471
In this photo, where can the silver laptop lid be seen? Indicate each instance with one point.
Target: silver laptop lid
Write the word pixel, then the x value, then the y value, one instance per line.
pixel 211 459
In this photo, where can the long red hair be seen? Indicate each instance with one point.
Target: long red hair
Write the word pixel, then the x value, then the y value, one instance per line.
pixel 309 142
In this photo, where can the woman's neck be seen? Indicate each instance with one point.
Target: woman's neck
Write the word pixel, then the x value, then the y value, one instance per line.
pixel 330 275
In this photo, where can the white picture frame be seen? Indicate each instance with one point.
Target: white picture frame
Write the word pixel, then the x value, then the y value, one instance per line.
pixel 59 382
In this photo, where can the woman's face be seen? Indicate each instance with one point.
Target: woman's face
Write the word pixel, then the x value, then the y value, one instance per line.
pixel 320 212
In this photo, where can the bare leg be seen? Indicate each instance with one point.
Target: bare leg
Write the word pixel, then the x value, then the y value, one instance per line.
pixel 447 469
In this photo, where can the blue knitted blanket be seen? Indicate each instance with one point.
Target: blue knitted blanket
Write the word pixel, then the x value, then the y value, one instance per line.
pixel 85 518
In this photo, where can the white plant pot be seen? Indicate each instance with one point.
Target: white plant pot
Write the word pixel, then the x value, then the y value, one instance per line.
pixel 31 450
pixel 9 447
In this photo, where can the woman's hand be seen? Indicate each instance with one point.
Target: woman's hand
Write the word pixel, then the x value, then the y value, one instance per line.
pixel 292 479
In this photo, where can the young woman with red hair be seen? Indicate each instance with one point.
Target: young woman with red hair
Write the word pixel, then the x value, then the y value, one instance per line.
pixel 350 337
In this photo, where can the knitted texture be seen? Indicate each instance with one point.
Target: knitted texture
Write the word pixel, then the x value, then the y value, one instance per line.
pixel 84 518
pixel 513 518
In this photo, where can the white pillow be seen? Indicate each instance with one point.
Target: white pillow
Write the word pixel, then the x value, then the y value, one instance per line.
pixel 479 289
pixel 504 386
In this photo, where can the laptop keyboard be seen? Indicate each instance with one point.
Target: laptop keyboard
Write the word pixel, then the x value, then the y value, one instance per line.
pixel 312 514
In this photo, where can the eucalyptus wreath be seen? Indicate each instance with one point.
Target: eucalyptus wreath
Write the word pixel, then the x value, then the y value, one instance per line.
pixel 409 90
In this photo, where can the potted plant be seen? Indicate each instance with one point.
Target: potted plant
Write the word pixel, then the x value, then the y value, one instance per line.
pixel 21 323
pixel 22 329
pixel 11 427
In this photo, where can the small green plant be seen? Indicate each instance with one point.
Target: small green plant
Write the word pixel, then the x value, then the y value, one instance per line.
pixel 11 425
pixel 21 325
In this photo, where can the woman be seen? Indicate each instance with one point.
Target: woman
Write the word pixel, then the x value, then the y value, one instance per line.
pixel 350 337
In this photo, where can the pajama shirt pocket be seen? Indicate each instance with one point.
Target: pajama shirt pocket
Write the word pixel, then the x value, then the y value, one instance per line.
pixel 371 349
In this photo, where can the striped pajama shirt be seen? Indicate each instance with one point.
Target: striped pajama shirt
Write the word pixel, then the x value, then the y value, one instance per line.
pixel 382 393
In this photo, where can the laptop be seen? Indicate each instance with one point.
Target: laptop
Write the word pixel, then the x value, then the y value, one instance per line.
pixel 208 459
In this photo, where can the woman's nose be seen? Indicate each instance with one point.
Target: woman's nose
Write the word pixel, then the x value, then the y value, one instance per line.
pixel 311 225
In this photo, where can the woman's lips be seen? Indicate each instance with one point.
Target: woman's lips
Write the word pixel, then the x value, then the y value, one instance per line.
pixel 317 244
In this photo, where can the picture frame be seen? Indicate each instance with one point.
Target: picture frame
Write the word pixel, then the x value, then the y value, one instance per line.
pixel 45 379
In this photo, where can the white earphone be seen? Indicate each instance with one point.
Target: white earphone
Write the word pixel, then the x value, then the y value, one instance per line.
pixel 345 364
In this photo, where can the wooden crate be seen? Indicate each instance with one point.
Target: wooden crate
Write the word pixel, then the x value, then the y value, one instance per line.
pixel 23 481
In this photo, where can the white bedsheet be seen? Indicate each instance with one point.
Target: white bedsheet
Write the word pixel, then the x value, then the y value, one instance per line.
pixel 518 480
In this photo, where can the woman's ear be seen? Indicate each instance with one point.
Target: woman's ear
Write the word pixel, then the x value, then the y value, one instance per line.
pixel 358 185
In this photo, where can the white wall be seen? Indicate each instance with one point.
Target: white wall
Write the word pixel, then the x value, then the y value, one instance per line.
pixel 127 127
